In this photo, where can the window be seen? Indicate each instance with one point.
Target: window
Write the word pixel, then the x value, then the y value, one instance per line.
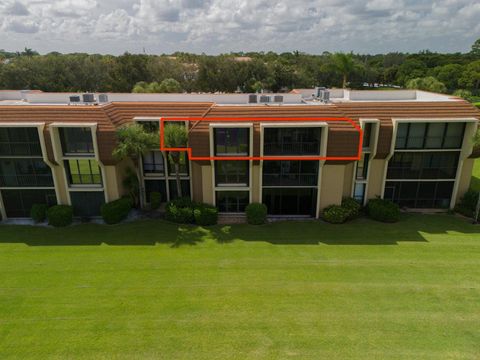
pixel 150 126
pixel 290 201
pixel 292 141
pixel 153 163
pixel 231 173
pixel 290 173
pixel 231 141
pixel 359 192
pixel 19 141
pixel 156 186
pixel 362 167
pixel 448 135
pixel 25 173
pixel 367 133
pixel 87 203
pixel 232 201
pixel 185 184
pixel 77 140
pixel 423 165
pixel 83 172
pixel 419 194
pixel 18 203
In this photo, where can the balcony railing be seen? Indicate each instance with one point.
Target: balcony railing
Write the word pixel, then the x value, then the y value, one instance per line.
pixel 426 173
pixel 290 179
pixel 78 148
pixel 26 180
pixel 292 148
pixel 20 148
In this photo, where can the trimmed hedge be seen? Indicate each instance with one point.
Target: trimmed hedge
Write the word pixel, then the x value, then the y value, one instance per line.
pixel 336 214
pixel 205 215
pixel 383 210
pixel 468 203
pixel 38 212
pixel 352 206
pixel 155 200
pixel 180 211
pixel 116 211
pixel 60 215
pixel 256 213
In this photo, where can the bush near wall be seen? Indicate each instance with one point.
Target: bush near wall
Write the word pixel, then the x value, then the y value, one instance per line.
pixel 60 215
pixel 39 212
pixel 256 213
pixel 205 215
pixel 352 206
pixel 180 211
pixel 155 200
pixel 383 210
pixel 467 204
pixel 116 211
pixel 335 214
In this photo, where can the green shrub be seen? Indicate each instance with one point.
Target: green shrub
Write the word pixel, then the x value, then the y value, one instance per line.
pixel 335 214
pixel 183 202
pixel 155 200
pixel 383 210
pixel 60 215
pixel 178 214
pixel 352 206
pixel 205 215
pixel 116 211
pixel 38 212
pixel 468 203
pixel 256 213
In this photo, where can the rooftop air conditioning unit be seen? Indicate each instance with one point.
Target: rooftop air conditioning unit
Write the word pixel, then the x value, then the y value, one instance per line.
pixel 322 94
pixel 278 99
pixel 103 98
pixel 264 99
pixel 252 98
pixel 88 98
pixel 74 99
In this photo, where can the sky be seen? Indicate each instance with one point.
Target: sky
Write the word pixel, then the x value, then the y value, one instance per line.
pixel 222 26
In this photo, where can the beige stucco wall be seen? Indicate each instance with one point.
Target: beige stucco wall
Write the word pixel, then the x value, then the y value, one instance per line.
pixel 197 181
pixel 120 172
pixel 465 178
pixel 348 179
pixel 375 178
pixel 255 186
pixel 331 188
pixel 207 184
pixel 111 183
pixel 61 186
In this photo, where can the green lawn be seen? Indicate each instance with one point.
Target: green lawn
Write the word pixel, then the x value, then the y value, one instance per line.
pixel 152 290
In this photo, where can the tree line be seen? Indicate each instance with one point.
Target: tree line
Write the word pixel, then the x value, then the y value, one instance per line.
pixel 242 72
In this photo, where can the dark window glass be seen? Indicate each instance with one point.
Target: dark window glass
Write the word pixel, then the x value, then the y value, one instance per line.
pixel 447 135
pixel 153 163
pixel 19 141
pixel 25 173
pixel 290 201
pixel 83 172
pixel 183 169
pixel 87 203
pixel 290 173
pixel 419 194
pixel 362 167
pixel 232 201
pixel 367 133
pixel 150 126
pixel 231 173
pixel 292 141
pixel 76 141
pixel 231 141
pixel 156 186
pixel 18 203
pixel 185 184
pixel 423 165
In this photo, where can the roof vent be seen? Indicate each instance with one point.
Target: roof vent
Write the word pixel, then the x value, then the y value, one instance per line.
pixel 103 98
pixel 252 98
pixel 74 99
pixel 264 99
pixel 88 98
pixel 278 99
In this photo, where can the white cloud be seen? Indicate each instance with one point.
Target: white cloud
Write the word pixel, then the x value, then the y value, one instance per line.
pixel 214 26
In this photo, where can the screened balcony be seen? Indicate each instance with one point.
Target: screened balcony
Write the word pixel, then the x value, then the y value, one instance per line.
pixel 291 141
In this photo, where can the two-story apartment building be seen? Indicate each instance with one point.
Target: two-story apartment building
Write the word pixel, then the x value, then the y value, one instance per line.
pixel 294 152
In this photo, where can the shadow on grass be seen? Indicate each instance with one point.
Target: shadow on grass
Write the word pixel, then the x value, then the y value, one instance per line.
pixel 411 228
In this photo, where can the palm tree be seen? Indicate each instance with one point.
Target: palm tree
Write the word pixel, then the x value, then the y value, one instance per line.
pixel 175 136
pixel 345 64
pixel 134 142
